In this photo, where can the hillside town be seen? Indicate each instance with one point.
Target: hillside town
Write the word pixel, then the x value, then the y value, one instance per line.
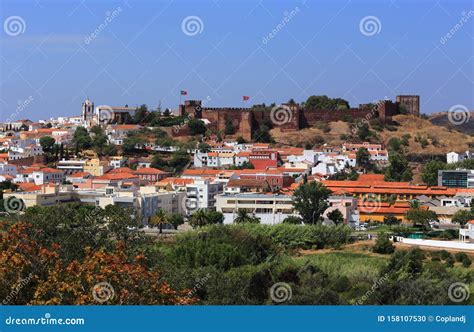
pixel 225 160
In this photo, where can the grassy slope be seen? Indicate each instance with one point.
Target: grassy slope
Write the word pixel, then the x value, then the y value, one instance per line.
pixel 449 140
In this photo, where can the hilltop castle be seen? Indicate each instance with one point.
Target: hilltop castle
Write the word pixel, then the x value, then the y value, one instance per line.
pixel 292 117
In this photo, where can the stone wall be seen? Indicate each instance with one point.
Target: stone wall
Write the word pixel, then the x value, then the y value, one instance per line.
pixel 287 117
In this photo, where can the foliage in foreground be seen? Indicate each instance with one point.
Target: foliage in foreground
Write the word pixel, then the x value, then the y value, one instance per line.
pixel 33 274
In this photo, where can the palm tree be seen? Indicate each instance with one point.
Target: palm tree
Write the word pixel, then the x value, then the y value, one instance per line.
pixel 244 217
pixel 414 204
pixel 159 219
pixel 199 218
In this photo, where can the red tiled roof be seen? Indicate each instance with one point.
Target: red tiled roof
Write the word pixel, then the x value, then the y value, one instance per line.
pixel 126 127
pixel 49 170
pixel 116 176
pixel 202 172
pixel 121 170
pixel 79 175
pixel 148 170
pixel 28 187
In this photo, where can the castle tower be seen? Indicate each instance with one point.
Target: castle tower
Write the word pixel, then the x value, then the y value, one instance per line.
pixel 410 103
pixel 87 110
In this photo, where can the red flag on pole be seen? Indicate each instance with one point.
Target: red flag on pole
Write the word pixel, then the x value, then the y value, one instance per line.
pixel 184 93
pixel 245 98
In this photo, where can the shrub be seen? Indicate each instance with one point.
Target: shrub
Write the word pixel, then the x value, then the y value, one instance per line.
pixel 224 247
pixel 449 261
pixel 291 236
pixel 466 262
pixel 460 256
pixel 445 255
pixel 383 244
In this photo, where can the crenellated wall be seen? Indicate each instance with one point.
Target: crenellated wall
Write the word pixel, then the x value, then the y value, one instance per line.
pixel 287 117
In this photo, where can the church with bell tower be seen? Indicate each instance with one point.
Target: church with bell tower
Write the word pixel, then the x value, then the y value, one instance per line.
pixel 87 111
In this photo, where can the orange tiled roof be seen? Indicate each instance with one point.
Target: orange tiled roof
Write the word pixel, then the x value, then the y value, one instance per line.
pixel 202 172
pixel 121 170
pixel 176 181
pixel 79 175
pixel 116 176
pixel 28 187
pixel 126 127
pixel 50 170
pixel 372 184
pixel 148 170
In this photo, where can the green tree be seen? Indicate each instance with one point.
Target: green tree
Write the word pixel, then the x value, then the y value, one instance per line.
pixel 398 169
pixel 421 217
pixel 47 143
pixel 199 218
pixel 204 147
pixel 159 219
pixel 141 114
pixel 215 217
pixel 293 220
pixel 336 216
pixel 461 217
pixel 363 131
pixel 129 144
pixel 324 102
pixel 175 219
pixel 262 135
pixel 383 245
pixel 81 139
pixel 243 217
pixel 196 127
pixel 429 174
pixel 391 220
pixel 363 158
pixel 309 200
pixel 394 144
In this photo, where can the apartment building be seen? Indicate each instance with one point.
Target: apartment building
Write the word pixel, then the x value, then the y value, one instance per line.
pixel 202 195
pixel 269 208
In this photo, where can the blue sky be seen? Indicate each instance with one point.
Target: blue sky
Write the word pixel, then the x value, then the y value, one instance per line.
pixel 143 55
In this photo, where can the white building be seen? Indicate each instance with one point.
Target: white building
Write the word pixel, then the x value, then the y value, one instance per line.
pixel 8 169
pixel 71 166
pixel 271 209
pixel 202 195
pixel 468 233
pixel 454 157
pixel 47 175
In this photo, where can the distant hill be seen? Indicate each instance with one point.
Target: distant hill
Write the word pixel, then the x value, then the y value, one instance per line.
pixel 442 119
pixel 441 139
